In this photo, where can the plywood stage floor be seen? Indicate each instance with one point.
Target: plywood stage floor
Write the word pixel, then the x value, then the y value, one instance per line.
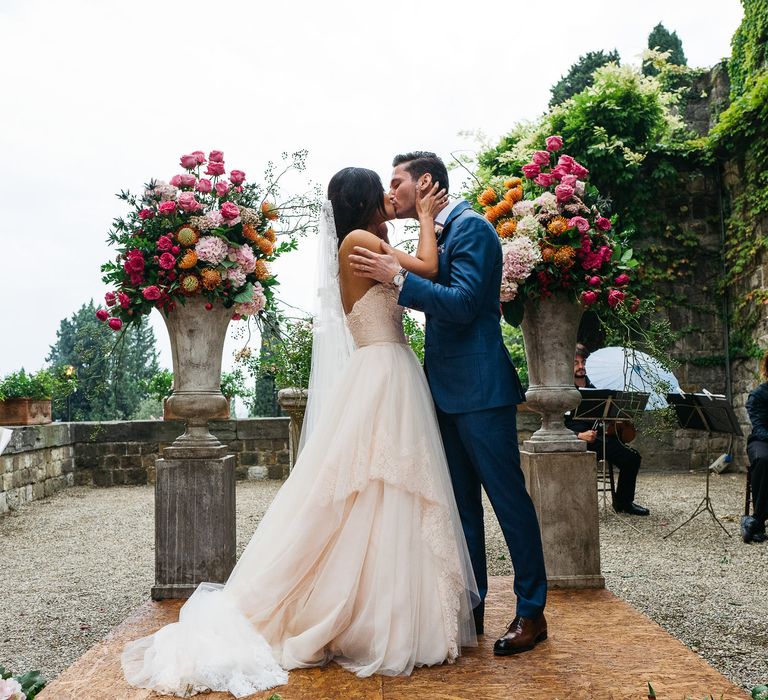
pixel 598 648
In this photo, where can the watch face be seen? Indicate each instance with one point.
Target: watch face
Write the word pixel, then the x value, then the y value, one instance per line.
pixel 398 279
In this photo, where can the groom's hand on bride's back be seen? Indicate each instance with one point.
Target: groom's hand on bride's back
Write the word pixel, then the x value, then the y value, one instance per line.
pixel 381 267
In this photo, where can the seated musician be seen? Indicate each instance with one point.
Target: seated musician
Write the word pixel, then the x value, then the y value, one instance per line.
pixel 753 526
pixel 617 453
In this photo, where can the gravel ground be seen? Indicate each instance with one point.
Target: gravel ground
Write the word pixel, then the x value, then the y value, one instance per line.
pixel 76 564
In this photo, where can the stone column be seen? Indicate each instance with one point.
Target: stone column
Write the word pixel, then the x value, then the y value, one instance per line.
pixel 294 402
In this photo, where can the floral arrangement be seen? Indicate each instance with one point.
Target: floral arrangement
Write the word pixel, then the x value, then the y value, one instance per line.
pixel 201 233
pixel 554 237
pixel 23 687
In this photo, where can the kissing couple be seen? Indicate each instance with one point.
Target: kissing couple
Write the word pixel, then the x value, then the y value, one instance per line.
pixel 372 554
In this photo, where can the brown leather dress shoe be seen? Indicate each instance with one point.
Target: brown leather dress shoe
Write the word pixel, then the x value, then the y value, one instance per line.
pixel 523 634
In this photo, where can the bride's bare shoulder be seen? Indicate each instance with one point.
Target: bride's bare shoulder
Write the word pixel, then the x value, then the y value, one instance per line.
pixel 359 237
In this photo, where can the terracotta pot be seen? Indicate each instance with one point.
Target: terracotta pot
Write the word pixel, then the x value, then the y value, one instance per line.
pixel 25 412
pixel 197 341
pixel 549 329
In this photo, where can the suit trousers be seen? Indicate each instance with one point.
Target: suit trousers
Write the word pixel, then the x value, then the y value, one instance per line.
pixel 482 452
pixel 626 460
pixel 757 450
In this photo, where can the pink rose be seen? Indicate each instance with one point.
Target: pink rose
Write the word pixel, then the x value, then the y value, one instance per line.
pixel 621 280
pixel 167 261
pixel 579 171
pixel 578 221
pixel 563 193
pixel 594 281
pixel 605 253
pixel 176 181
pixel 236 177
pixel 567 162
pixel 115 324
pixel 229 211
pixel 589 297
pixel 188 162
pixel 216 156
pixel 171 276
pixel 222 189
pixel 151 293
pixel 544 179
pixel 635 305
pixel 199 157
pixel 164 243
pixel 187 202
pixel 110 298
pixel 569 180
pixel 167 208
pixel 531 170
pixel 124 299
pixel 204 186
pixel 602 223
pixel 102 315
pixel 615 297
pixel 146 214
pixel 136 278
pixel 187 180
pixel 559 171
pixel 554 143
pixel 215 169
pixel 134 261
pixel 239 188
pixel 175 250
pixel 541 157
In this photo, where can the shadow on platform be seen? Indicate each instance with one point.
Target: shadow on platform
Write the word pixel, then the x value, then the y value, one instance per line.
pixel 598 648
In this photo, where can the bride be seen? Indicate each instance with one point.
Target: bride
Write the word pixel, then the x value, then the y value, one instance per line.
pixel 360 558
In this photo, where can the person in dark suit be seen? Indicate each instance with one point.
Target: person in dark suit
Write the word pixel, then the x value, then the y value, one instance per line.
pixel 753 526
pixel 474 385
pixel 617 453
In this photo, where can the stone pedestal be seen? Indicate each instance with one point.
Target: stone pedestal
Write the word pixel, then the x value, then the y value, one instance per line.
pixel 563 487
pixel 293 401
pixel 194 521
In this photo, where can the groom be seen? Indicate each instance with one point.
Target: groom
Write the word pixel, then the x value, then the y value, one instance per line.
pixel 474 385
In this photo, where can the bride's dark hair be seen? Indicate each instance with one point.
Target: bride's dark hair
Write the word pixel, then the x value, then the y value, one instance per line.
pixel 356 194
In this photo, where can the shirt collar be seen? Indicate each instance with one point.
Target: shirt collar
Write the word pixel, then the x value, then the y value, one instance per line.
pixel 445 212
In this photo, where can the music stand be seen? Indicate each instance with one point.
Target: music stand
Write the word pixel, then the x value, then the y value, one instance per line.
pixel 711 413
pixel 608 405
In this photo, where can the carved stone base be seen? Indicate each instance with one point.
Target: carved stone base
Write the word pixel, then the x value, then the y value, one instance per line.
pixel 194 524
pixel 563 487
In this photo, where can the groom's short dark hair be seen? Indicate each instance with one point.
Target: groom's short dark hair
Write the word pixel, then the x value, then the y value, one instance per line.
pixel 418 163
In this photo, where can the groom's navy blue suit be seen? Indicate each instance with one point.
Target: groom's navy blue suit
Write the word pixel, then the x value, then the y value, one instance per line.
pixel 476 391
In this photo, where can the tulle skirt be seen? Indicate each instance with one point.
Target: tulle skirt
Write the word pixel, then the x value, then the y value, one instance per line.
pixel 360 558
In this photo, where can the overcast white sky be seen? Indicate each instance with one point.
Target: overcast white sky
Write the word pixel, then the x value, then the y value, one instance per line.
pixel 98 96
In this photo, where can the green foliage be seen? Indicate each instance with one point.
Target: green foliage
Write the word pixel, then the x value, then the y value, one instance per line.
pixel 112 370
pixel 749 45
pixel 760 692
pixel 660 39
pixel 264 402
pixel 41 386
pixel 233 384
pixel 513 341
pixel 31 682
pixel 414 332
pixel 579 75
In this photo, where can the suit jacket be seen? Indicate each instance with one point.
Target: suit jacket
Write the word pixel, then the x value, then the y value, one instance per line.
pixel 466 363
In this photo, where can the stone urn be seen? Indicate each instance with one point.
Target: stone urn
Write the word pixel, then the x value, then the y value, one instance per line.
pixel 550 327
pixel 294 402
pixel 197 338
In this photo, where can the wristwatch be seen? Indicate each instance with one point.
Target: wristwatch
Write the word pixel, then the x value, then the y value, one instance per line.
pixel 399 279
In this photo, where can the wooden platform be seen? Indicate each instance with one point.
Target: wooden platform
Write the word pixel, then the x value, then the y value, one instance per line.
pixel 598 648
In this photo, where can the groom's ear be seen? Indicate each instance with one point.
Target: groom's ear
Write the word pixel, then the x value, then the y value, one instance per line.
pixel 425 182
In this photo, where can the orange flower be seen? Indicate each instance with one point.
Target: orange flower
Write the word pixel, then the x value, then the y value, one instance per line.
pixel 262 271
pixel 558 225
pixel 513 182
pixel 565 257
pixel 507 228
pixel 270 235
pixel 189 283
pixel 264 245
pixel 187 235
pixel 547 253
pixel 514 195
pixel 211 278
pixel 492 214
pixel 503 208
pixel 269 210
pixel 188 259
pixel 487 197
pixel 250 232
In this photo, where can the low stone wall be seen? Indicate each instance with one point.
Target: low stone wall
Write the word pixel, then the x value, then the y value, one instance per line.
pixel 43 459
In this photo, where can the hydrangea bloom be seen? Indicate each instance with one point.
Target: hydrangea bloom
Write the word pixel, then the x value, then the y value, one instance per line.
pixel 211 249
pixel 520 255
pixel 251 308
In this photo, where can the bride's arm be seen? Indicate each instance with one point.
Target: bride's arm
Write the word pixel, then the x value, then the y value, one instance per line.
pixel 424 263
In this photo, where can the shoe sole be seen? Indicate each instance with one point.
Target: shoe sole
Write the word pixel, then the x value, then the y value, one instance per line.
pixel 520 650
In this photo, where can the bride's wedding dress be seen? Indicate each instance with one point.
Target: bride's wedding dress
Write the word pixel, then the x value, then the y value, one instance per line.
pixel 360 558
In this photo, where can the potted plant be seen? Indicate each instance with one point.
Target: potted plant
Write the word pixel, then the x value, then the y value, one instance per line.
pixel 25 399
